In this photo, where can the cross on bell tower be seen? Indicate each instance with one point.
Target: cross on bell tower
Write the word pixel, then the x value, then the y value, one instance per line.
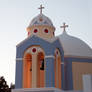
pixel 64 26
pixel 41 7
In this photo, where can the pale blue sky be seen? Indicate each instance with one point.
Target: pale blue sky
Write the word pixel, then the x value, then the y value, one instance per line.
pixel 15 16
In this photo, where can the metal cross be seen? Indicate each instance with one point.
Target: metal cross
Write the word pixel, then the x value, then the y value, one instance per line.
pixel 41 9
pixel 64 26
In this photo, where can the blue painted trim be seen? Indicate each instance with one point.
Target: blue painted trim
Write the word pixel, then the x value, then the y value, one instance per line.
pixel 48 47
pixel 45 45
pixel 49 72
pixel 67 82
pixel 19 74
pixel 63 77
pixel 74 59
pixel 68 76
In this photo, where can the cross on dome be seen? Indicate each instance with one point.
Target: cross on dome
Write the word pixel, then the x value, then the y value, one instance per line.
pixel 41 7
pixel 64 26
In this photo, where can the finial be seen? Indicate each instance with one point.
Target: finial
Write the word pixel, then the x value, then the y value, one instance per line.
pixel 41 7
pixel 64 26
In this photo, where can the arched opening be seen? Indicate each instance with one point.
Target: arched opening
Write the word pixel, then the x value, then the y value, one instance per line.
pixel 33 67
pixel 27 71
pixel 57 69
pixel 40 70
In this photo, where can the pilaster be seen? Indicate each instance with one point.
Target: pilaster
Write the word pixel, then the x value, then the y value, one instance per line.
pixel 49 71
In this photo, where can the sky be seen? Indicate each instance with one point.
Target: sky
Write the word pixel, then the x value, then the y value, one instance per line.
pixel 15 16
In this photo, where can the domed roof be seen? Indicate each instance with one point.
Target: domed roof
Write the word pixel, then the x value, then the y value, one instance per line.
pixel 73 46
pixel 41 20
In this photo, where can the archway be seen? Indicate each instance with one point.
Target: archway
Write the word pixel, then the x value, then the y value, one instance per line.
pixel 33 67
pixel 27 71
pixel 40 70
pixel 57 69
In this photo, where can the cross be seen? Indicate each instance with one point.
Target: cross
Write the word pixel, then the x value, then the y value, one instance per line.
pixel 64 26
pixel 41 9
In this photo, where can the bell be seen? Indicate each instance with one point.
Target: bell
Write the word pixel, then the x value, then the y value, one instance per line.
pixel 30 69
pixel 42 65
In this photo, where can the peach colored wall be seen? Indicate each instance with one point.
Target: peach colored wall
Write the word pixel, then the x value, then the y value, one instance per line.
pixel 42 79
pixel 78 69
pixel 27 74
pixel 41 32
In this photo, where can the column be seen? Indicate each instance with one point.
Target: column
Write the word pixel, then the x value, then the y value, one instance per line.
pixel 67 76
pixel 34 71
pixel 19 73
pixel 49 71
pixel 57 77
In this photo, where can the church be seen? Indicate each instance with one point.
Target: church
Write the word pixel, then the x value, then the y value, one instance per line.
pixel 44 60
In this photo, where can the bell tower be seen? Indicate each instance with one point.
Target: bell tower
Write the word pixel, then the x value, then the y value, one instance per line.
pixel 38 58
pixel 33 59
